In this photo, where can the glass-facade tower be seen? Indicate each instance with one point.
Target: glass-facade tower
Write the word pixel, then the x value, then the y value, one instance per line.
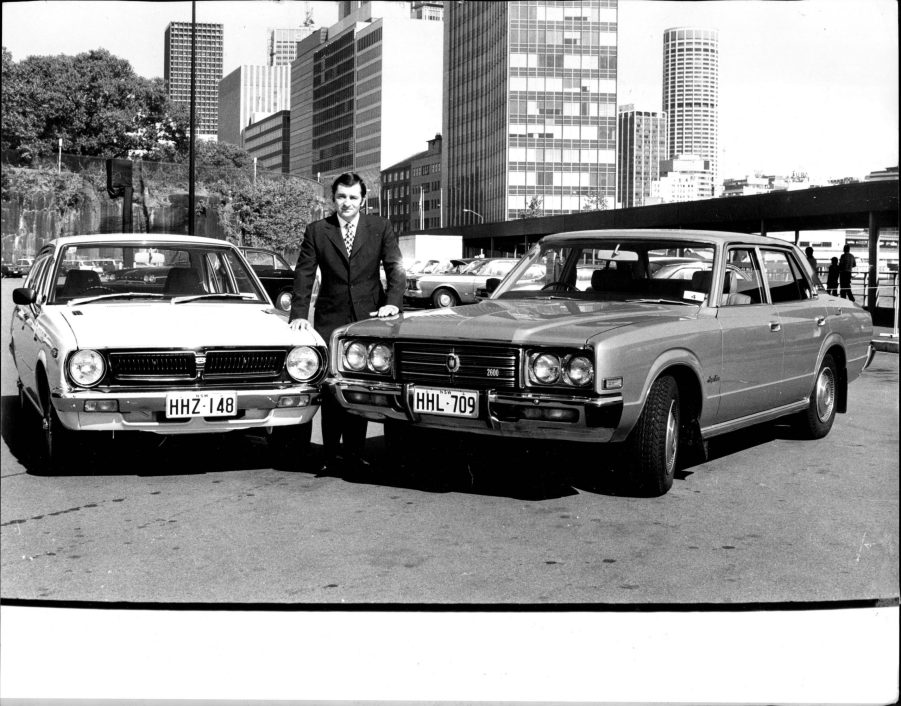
pixel 691 94
pixel 529 108
pixel 177 71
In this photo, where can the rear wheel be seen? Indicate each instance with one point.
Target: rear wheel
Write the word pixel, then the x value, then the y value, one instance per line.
pixel 816 421
pixel 653 445
pixel 443 298
pixel 288 445
pixel 283 300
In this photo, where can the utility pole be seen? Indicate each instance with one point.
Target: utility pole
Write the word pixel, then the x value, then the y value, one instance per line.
pixel 191 146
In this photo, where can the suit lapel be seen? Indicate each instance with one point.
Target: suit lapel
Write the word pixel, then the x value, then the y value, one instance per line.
pixel 335 236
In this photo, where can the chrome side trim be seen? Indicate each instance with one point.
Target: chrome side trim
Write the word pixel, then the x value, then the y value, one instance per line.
pixel 750 420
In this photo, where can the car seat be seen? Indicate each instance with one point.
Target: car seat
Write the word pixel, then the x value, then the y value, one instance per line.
pixel 183 281
pixel 78 282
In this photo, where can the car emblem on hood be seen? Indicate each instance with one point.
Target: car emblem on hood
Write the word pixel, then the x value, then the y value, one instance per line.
pixel 452 361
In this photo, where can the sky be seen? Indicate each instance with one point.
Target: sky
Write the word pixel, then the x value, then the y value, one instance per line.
pixel 810 85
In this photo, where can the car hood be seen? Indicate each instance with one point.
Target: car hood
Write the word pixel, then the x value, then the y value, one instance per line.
pixel 562 322
pixel 188 325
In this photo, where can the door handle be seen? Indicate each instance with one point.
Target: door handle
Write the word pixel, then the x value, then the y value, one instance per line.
pixel 821 320
pixel 775 326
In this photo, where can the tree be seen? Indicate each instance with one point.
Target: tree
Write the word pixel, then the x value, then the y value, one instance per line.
pixel 93 101
pixel 272 214
pixel 534 209
pixel 595 201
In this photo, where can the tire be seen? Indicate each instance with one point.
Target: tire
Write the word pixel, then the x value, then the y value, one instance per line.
pixel 816 421
pixel 283 300
pixel 443 298
pixel 288 445
pixel 58 444
pixel 653 445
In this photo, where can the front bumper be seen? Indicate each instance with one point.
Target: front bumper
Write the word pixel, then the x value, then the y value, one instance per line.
pixel 501 412
pixel 146 411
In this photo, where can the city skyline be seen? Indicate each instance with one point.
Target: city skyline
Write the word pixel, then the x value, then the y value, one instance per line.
pixel 792 75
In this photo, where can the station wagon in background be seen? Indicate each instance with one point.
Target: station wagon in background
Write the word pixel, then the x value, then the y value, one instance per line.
pixel 603 352
pixel 181 340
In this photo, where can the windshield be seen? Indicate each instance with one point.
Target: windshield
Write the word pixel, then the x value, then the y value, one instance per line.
pixel 602 269
pixel 129 272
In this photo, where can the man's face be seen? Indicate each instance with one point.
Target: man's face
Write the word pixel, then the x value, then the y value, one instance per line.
pixel 348 200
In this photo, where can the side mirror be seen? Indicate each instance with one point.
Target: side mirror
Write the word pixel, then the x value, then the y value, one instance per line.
pixel 492 283
pixel 24 296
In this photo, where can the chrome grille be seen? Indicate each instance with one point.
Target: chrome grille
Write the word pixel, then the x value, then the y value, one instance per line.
pixel 481 367
pixel 171 365
pixel 244 363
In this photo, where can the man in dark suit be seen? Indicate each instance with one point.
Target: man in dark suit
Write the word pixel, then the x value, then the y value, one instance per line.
pixel 349 249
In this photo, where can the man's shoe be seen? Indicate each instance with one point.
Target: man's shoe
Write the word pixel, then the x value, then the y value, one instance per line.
pixel 331 464
pixel 356 466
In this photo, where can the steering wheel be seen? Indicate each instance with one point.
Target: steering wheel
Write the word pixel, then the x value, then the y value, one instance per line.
pixel 90 291
pixel 560 284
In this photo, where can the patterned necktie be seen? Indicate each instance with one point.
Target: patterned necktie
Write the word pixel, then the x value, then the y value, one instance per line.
pixel 348 237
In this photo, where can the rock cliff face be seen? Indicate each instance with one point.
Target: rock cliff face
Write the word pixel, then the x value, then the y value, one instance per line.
pixel 30 220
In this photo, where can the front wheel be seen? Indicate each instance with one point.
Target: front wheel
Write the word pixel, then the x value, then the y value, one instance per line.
pixel 58 444
pixel 444 298
pixel 653 445
pixel 283 300
pixel 816 421
pixel 288 445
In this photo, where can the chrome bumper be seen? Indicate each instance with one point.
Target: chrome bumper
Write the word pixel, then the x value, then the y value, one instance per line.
pixel 146 411
pixel 501 413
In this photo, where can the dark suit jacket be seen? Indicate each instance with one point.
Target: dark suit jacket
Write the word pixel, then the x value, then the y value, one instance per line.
pixel 350 289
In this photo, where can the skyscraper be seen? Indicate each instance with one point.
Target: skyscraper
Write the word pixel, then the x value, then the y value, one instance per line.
pixel 283 44
pixel 529 107
pixel 364 92
pixel 641 145
pixel 248 90
pixel 208 68
pixel 691 94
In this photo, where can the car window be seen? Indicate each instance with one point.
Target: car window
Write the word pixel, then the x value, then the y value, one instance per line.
pixel 747 280
pixel 37 276
pixel 784 277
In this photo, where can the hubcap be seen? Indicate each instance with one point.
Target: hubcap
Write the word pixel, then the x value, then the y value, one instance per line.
pixel 672 438
pixel 445 299
pixel 825 394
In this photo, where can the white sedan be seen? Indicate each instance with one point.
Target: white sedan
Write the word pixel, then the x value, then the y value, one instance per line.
pixel 180 338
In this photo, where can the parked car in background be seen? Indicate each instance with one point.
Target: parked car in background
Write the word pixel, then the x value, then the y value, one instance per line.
pixel 21 267
pixel 4 269
pixel 656 365
pixel 275 273
pixel 191 345
pixel 457 287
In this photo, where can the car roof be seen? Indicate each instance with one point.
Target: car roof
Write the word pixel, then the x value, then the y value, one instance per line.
pixel 136 238
pixel 710 236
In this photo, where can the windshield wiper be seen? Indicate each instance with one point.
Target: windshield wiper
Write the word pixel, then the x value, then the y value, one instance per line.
pixel 115 295
pixel 224 295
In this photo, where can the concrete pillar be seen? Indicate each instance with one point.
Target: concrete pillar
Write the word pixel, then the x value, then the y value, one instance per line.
pixel 873 274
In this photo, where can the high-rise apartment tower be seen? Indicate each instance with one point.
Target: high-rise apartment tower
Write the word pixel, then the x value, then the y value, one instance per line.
pixel 529 108
pixel 283 44
pixel 249 90
pixel 691 94
pixel 640 146
pixel 208 71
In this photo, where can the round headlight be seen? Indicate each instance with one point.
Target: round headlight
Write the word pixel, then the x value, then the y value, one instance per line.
pixel 380 357
pixel 579 370
pixel 546 368
pixel 355 356
pixel 303 363
pixel 86 368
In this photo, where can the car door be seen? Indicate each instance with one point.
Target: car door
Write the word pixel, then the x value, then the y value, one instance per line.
pixel 803 319
pixel 26 324
pixel 753 342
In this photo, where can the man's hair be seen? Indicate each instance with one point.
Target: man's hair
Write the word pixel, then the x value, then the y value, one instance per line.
pixel 349 179
pixel 808 250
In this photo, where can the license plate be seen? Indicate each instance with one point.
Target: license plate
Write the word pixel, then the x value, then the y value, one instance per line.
pixel 201 404
pixel 450 403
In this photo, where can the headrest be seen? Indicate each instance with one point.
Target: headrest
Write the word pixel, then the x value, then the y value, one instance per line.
pixel 183 280
pixel 608 279
pixel 700 281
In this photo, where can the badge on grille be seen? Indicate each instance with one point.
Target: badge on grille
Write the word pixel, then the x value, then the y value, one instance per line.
pixel 452 362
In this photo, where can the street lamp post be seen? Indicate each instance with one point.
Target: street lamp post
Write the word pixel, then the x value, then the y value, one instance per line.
pixel 480 216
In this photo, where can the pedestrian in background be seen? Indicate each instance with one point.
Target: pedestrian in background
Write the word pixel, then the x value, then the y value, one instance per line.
pixel 349 248
pixel 811 259
pixel 846 265
pixel 832 278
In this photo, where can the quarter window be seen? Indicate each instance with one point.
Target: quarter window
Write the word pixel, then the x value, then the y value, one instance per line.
pixel 746 279
pixel 784 277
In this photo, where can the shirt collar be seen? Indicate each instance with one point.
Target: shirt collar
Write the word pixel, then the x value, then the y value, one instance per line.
pixel 355 221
